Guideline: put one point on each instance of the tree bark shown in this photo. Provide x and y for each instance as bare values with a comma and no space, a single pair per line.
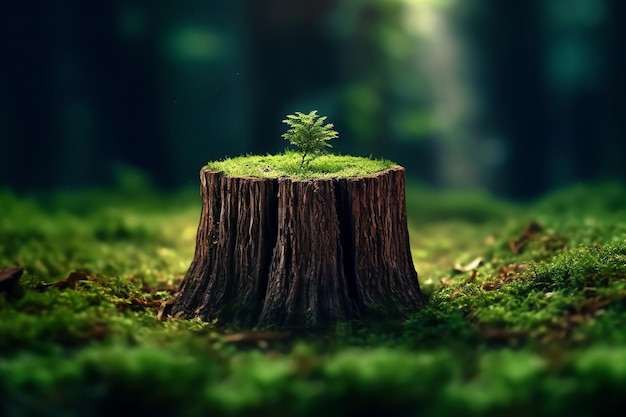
284,252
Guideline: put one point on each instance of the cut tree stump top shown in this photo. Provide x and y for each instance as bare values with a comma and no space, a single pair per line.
288,165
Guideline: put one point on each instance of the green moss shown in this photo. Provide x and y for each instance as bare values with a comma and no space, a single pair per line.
288,164
353,382
536,331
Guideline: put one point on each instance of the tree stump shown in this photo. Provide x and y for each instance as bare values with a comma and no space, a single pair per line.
299,253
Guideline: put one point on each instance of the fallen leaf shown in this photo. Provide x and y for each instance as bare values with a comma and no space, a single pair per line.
9,276
8,281
70,282
548,241
531,230
506,274
470,266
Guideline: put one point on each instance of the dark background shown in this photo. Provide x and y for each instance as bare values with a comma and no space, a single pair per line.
516,97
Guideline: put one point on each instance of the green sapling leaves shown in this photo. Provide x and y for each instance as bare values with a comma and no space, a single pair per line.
309,133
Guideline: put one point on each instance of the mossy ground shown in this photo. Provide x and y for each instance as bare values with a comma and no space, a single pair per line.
536,330
288,164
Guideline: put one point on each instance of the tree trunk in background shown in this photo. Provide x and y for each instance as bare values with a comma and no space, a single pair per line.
512,39
283,252
616,85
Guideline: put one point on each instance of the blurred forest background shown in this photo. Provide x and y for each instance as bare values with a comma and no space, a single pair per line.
514,97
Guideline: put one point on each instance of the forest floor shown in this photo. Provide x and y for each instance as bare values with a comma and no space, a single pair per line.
525,317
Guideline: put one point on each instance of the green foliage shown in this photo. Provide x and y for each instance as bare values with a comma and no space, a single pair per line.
309,133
